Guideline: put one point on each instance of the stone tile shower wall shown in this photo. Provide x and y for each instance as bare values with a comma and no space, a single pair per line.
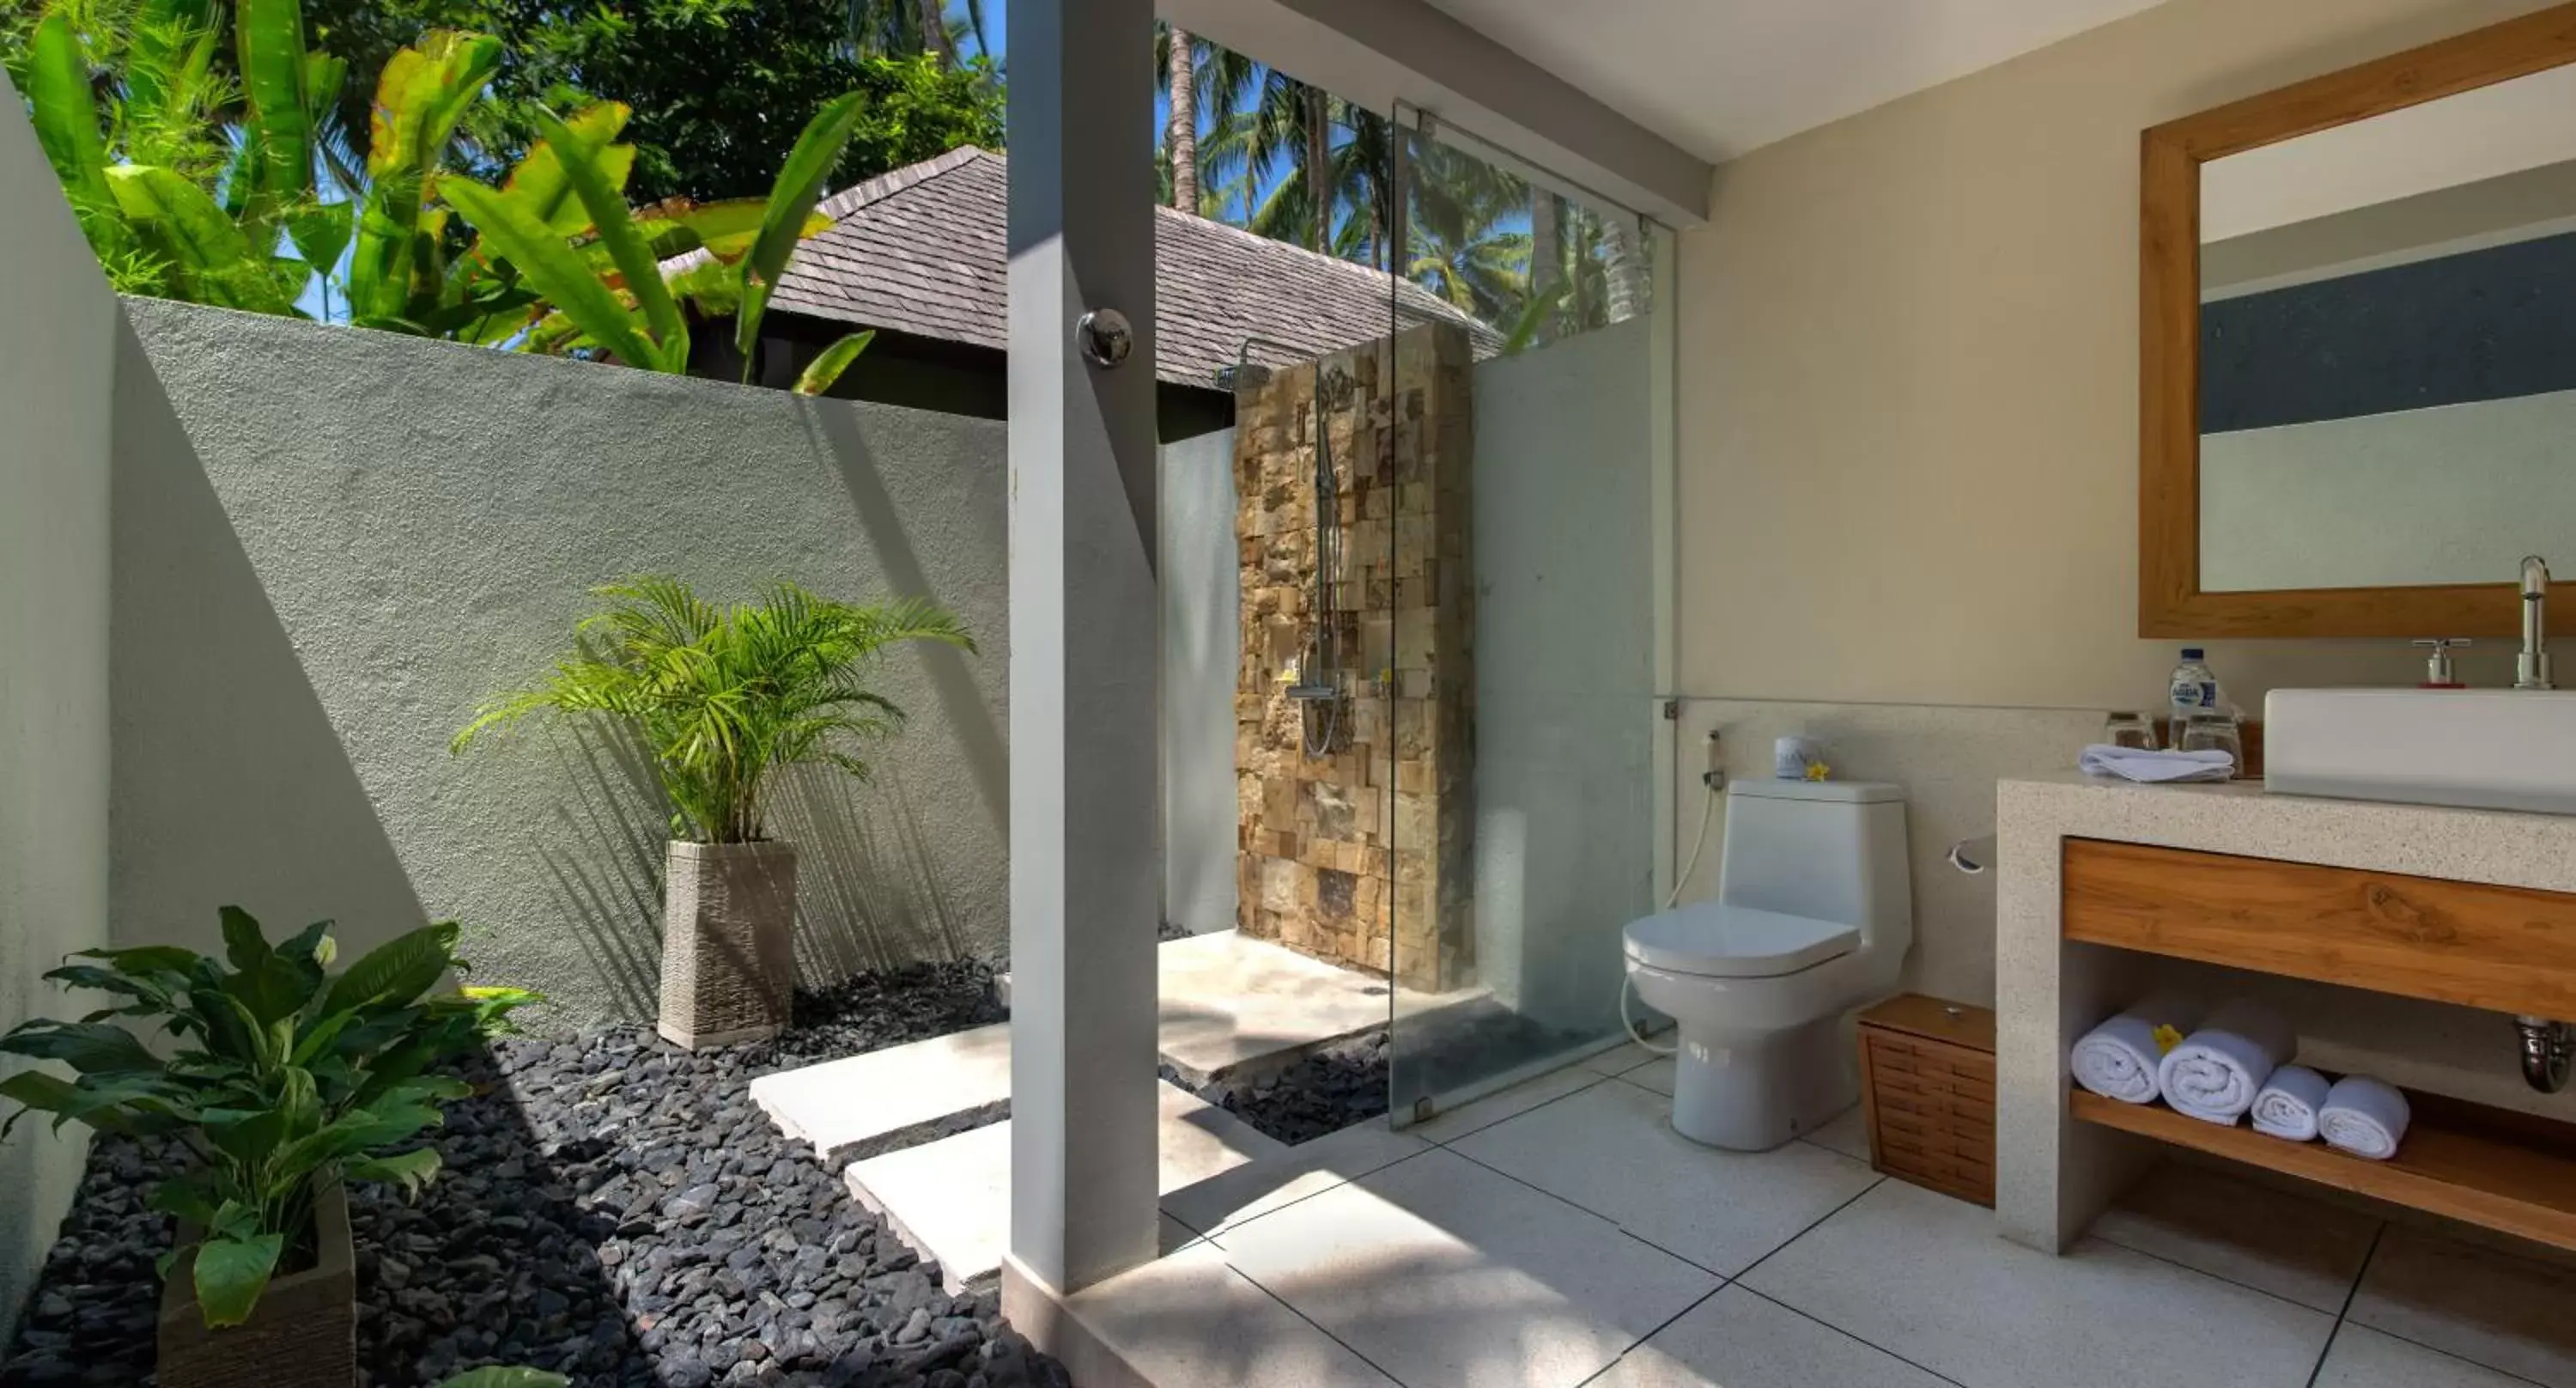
1362,855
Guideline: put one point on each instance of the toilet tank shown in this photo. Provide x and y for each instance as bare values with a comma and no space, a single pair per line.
1826,850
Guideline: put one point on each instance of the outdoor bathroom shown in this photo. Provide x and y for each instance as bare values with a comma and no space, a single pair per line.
1244,692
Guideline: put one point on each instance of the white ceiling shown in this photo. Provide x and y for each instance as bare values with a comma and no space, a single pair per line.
1720,77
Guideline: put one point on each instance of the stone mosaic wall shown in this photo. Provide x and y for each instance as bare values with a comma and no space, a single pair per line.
1361,854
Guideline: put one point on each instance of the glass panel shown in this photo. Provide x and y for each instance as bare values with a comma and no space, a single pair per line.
1520,577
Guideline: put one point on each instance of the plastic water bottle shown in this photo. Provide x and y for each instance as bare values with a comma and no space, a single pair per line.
2191,687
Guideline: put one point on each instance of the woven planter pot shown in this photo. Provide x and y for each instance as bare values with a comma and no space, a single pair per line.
728,958
303,1334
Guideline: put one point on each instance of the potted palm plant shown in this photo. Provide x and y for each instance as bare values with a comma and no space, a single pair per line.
724,699
283,1081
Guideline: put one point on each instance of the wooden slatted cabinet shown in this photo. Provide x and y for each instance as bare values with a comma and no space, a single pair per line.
1927,1072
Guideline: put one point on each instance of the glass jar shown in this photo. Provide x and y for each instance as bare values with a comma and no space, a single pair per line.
2214,730
2132,730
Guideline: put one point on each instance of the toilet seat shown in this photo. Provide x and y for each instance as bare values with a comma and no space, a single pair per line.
1711,940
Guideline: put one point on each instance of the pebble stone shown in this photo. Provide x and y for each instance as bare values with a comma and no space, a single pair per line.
613,1208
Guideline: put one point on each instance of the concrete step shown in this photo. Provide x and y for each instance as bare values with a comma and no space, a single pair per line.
950,1200
1227,1006
902,1096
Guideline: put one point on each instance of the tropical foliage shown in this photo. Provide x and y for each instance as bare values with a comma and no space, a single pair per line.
282,1077
557,261
724,698
1263,151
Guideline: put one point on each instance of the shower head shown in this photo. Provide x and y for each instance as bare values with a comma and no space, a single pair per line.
1242,376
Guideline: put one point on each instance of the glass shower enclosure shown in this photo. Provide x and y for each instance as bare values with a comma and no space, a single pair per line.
1513,604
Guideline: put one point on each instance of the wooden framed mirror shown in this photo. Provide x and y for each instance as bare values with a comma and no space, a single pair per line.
2358,347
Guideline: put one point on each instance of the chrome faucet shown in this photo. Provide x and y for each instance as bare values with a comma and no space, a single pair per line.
2531,671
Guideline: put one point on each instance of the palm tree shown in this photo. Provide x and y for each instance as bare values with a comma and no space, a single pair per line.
906,28
1181,132
1547,252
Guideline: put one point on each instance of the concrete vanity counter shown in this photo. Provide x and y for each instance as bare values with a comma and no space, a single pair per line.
2437,948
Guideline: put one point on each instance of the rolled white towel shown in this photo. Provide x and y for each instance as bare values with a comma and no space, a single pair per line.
2365,1117
2119,1059
2216,1072
2289,1102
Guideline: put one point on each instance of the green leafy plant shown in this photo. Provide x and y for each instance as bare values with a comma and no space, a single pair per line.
507,1378
183,180
724,697
281,1078
605,272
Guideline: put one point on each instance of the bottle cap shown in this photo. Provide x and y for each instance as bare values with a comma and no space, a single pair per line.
2193,653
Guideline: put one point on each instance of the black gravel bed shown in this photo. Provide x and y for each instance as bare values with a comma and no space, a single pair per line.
613,1208
1325,1091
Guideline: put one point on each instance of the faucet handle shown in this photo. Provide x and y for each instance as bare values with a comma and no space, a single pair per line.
2438,673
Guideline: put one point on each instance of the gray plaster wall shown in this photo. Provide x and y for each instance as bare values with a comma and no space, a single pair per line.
331,544
57,339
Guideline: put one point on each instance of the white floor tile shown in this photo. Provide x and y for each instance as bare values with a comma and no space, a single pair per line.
2305,1250
1309,1168
1926,1277
1620,1061
1656,1075
1444,1273
1190,1319
1494,1108
861,1105
2364,1358
1612,1150
950,1200
1738,1340
1847,1134
2508,1313
1198,1140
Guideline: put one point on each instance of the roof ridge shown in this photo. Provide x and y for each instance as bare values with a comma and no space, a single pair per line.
893,181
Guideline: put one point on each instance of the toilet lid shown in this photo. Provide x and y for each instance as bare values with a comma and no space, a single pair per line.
1719,941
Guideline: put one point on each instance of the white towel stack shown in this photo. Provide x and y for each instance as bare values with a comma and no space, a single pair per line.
2289,1103
2217,1071
2365,1117
2142,764
2119,1059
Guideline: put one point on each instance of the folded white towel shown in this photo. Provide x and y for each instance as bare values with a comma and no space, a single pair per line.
2118,1059
2140,764
2365,1117
2289,1103
2216,1072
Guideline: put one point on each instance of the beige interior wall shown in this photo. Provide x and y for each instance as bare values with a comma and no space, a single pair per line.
1908,434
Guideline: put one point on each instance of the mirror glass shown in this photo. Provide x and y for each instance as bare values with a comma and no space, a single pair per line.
2388,347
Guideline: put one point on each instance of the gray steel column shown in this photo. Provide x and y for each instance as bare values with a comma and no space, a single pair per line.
1086,845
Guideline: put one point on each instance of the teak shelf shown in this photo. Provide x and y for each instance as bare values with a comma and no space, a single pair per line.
2508,1171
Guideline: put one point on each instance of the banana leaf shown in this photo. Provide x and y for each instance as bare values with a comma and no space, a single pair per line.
321,231
791,201
538,181
268,38
550,265
579,159
821,373
208,254
423,93
66,119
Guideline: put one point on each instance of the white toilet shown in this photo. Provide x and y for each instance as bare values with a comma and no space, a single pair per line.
1814,913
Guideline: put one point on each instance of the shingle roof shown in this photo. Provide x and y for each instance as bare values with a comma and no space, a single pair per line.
921,250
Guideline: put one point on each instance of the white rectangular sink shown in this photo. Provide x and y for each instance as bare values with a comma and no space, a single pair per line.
2497,749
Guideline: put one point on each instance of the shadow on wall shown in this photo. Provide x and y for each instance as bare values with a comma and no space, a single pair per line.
988,758
607,857
869,885
228,784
